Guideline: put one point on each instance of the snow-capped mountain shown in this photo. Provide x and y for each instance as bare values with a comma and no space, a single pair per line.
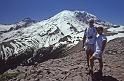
9,27
66,27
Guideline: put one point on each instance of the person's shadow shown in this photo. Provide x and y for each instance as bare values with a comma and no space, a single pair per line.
97,76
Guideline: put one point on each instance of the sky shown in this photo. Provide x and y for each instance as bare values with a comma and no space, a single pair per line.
12,11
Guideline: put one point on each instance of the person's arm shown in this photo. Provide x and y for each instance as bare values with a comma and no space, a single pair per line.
84,39
103,45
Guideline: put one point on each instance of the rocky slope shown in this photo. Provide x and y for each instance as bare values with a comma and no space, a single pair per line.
73,66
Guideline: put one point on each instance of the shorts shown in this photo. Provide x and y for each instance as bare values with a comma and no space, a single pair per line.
97,54
90,47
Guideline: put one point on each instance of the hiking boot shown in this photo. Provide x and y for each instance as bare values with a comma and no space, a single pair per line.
100,72
91,72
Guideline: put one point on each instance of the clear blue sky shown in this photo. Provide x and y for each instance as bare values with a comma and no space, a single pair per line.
13,10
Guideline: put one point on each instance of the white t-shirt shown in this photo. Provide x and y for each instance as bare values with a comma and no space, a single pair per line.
99,40
90,33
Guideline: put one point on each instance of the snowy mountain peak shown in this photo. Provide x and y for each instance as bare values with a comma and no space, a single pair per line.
28,20
20,24
76,13
81,16
67,27
63,14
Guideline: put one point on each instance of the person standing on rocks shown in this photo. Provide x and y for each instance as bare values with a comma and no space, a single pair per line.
89,39
100,46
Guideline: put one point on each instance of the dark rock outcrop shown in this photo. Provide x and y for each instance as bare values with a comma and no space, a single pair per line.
31,56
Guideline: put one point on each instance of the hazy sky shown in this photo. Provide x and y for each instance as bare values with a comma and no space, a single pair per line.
13,10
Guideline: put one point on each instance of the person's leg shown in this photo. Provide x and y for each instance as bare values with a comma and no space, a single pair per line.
91,57
100,64
91,62
87,53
